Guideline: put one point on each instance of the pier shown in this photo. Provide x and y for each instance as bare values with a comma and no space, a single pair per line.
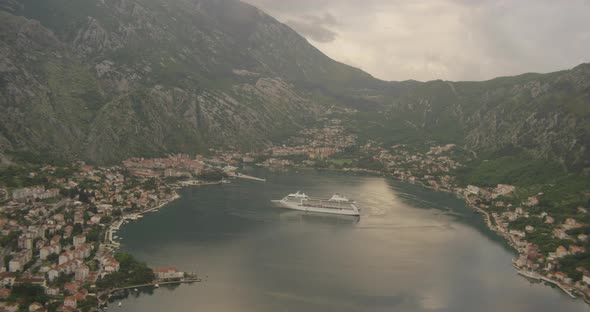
248,177
103,303
183,281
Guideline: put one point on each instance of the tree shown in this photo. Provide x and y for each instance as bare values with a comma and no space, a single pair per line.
131,272
52,257
106,220
150,184
28,293
10,240
93,235
78,229
89,303
213,175
7,259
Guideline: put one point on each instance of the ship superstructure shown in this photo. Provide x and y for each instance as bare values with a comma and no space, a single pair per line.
337,204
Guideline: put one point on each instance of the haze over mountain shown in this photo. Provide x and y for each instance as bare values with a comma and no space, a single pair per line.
442,39
105,80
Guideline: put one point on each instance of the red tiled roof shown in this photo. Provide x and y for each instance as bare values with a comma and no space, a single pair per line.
165,270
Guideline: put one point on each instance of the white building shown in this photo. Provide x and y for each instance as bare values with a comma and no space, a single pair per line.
82,272
168,273
15,265
473,189
52,274
79,240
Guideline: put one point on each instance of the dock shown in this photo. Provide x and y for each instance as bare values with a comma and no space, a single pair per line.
183,281
104,303
248,177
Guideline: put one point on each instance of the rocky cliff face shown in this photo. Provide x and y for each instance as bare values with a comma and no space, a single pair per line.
546,115
104,80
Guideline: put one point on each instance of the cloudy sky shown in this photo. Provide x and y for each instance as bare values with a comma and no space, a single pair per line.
443,39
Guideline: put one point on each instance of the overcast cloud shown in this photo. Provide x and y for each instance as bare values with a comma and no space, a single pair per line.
443,39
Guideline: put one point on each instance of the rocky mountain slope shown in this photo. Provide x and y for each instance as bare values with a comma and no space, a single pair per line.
102,80
544,115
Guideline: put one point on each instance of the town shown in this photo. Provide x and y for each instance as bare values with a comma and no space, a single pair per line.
551,248
57,236
58,223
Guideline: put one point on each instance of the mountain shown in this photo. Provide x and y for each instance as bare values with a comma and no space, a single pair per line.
102,80
105,80
546,116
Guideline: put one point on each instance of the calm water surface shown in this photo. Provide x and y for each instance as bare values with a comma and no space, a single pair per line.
411,250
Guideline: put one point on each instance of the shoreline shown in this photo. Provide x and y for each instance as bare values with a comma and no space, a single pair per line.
572,291
566,288
110,245
116,226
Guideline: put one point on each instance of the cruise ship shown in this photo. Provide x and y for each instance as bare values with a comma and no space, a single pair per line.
337,204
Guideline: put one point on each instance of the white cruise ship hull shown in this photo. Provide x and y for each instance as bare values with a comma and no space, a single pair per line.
300,207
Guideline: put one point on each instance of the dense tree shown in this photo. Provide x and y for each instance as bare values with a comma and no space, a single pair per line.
212,175
28,293
78,229
131,272
52,257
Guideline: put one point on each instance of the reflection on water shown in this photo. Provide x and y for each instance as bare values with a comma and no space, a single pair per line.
317,218
411,250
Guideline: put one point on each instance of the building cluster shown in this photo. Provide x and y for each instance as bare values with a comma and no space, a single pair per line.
59,235
57,238
312,144
433,168
518,220
180,165
510,217
35,192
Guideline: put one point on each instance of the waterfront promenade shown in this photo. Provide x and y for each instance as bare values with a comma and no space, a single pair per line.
538,277
157,284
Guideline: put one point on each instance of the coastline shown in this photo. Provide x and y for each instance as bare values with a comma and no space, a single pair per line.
111,245
568,289
115,226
